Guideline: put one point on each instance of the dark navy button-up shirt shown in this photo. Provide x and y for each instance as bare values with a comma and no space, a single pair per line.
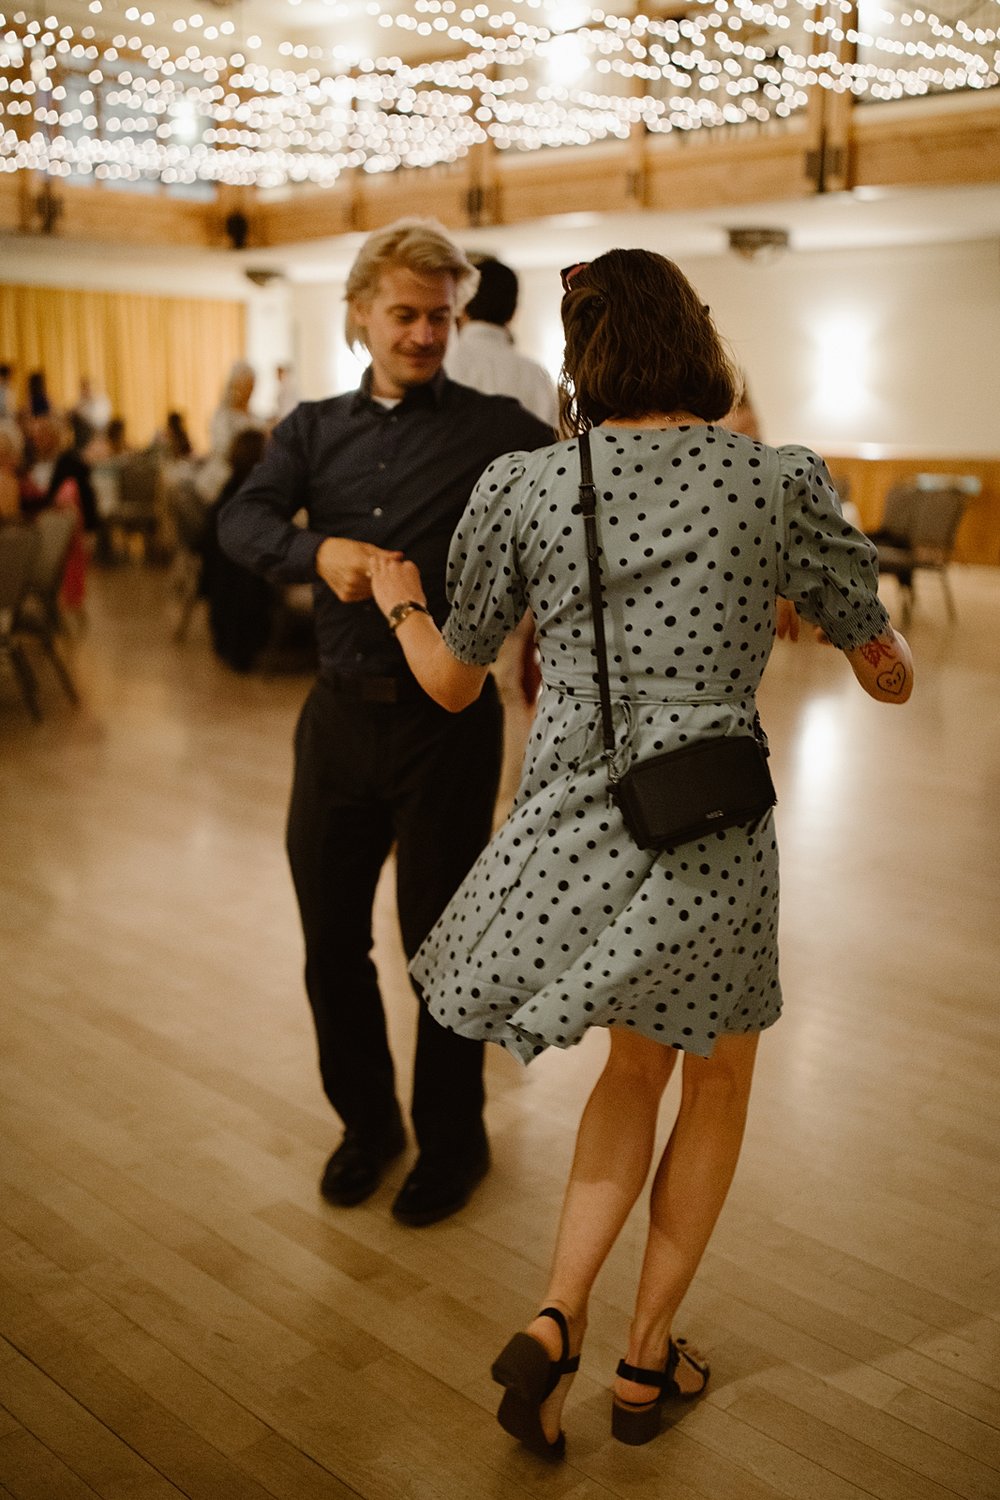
398,477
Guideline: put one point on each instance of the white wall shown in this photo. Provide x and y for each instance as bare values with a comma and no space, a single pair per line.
891,346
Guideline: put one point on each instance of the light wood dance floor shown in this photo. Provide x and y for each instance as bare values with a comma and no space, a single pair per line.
182,1315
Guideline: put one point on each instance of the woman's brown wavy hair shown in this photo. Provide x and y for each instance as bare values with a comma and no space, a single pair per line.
639,340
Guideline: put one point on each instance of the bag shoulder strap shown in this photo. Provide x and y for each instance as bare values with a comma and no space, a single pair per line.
588,509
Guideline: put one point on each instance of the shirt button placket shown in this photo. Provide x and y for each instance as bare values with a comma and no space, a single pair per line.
390,436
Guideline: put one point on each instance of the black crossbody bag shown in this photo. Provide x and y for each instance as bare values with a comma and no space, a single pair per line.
682,794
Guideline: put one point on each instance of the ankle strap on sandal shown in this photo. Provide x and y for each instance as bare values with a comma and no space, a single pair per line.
659,1378
566,1364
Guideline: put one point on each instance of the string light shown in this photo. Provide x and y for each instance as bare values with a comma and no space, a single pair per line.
548,75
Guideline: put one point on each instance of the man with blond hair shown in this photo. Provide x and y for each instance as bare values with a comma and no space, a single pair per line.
386,468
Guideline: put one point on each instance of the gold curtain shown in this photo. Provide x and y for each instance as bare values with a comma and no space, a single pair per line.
148,354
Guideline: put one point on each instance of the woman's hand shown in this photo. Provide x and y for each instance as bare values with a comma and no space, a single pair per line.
394,581
452,683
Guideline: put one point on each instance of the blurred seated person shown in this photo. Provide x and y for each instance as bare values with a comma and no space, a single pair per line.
52,459
118,444
178,468
92,412
39,404
175,451
11,455
8,397
58,477
232,417
240,604
172,440
109,450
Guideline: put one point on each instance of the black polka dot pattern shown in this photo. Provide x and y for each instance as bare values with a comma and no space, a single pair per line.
562,924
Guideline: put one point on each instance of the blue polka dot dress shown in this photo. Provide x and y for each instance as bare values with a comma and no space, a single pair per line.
563,924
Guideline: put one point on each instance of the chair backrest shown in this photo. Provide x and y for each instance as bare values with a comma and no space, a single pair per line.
842,484
937,523
902,503
55,528
138,482
18,545
969,484
190,516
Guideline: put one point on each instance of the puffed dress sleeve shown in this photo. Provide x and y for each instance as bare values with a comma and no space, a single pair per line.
485,588
829,569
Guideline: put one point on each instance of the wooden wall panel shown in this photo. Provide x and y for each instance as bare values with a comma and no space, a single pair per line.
700,174
937,143
536,184
941,148
306,216
871,478
433,193
130,218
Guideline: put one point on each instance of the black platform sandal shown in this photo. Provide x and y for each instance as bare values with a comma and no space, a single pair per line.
638,1422
529,1378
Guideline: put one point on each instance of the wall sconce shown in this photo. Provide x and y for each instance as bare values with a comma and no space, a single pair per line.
760,244
48,207
237,227
263,275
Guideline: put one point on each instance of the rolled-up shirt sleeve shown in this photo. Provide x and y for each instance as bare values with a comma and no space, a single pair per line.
256,528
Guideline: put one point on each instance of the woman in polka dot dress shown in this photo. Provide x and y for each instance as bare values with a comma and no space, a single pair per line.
563,924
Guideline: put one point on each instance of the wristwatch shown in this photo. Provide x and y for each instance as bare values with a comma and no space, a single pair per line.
399,612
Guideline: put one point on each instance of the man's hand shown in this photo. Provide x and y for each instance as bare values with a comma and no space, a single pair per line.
345,566
786,620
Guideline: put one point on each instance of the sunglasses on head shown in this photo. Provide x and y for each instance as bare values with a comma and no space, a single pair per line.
568,272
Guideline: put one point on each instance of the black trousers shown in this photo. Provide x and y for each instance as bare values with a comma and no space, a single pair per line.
367,775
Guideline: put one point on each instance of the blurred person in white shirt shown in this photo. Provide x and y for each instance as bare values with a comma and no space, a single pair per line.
482,353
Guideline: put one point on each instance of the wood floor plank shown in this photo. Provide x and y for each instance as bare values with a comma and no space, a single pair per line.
188,1316
767,1457
189,1430
842,1457
77,1339
71,1433
916,1452
31,1472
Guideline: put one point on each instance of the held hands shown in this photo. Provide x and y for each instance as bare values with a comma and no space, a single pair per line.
346,567
395,581
786,619
787,622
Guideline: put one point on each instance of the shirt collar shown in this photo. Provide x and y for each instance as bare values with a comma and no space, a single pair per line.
428,395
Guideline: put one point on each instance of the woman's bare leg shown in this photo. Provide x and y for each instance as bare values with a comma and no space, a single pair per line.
689,1189
614,1149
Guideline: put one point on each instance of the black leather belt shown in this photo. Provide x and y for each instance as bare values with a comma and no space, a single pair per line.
371,689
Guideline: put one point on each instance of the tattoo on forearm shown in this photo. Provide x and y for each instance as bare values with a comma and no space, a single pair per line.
877,651
894,681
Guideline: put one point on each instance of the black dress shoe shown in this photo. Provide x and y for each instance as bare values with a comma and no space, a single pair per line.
436,1189
355,1169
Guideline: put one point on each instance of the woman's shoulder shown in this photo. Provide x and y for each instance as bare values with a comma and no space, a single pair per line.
799,462
530,461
